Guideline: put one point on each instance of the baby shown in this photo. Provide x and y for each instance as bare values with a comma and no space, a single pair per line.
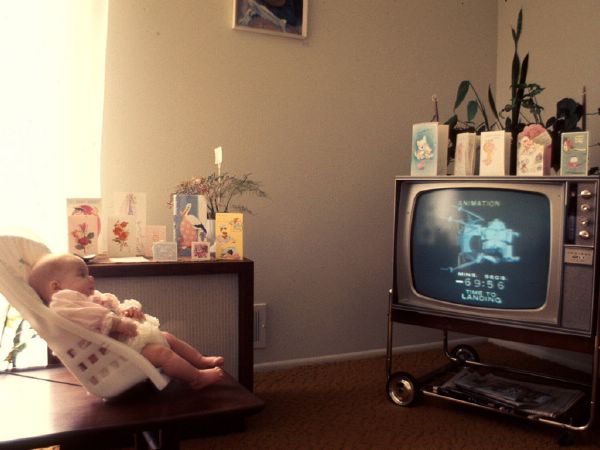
64,284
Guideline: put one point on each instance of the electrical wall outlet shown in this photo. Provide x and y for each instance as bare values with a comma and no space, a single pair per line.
260,325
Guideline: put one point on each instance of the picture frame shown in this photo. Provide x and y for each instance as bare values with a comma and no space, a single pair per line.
201,251
288,18
164,251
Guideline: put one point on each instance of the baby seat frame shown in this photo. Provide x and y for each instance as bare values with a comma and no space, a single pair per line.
104,366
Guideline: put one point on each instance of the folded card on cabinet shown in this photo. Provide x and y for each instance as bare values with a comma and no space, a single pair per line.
429,154
465,153
574,153
229,230
494,153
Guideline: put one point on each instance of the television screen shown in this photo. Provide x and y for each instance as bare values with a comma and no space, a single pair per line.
481,247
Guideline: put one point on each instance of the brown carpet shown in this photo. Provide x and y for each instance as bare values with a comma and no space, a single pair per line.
344,405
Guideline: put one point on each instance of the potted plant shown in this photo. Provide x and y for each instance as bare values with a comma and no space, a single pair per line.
511,117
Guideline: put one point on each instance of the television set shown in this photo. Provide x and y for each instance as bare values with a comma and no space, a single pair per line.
517,252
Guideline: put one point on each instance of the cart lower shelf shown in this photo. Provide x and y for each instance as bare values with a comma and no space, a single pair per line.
403,389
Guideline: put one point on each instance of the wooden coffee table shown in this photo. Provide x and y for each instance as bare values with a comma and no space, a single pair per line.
47,407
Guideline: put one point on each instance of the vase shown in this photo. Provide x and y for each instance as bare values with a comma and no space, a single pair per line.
210,231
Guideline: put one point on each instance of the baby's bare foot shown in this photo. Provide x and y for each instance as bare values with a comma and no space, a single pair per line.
206,362
207,377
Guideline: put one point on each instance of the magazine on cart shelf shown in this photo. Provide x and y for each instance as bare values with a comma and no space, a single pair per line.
494,390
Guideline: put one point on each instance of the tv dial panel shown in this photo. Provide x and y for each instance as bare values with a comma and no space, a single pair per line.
583,236
585,214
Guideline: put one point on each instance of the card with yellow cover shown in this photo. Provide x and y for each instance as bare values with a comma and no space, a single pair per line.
229,231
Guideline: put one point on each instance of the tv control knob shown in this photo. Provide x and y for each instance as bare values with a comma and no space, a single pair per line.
585,222
586,193
583,234
585,207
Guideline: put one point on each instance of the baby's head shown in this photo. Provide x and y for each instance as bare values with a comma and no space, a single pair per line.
54,272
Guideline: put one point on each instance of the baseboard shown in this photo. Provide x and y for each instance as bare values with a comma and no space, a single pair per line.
577,361
263,367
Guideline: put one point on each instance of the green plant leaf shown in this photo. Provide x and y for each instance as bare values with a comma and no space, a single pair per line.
472,109
492,103
527,103
519,24
452,121
516,67
534,89
461,93
524,69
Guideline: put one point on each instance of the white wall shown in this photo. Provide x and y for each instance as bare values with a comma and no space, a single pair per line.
324,123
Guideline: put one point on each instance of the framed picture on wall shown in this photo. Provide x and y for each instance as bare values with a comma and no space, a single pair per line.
279,17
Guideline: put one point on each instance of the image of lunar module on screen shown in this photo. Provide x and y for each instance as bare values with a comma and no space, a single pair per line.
480,242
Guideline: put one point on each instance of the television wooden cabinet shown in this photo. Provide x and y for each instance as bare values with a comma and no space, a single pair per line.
206,303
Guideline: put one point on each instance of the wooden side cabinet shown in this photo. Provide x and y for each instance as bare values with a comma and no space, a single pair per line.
209,304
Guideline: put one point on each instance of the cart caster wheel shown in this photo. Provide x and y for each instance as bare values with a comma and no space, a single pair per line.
465,353
402,388
566,439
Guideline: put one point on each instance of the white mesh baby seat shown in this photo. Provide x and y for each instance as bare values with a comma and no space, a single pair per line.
104,366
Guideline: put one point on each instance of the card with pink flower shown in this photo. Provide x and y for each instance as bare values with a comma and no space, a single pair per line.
89,207
83,235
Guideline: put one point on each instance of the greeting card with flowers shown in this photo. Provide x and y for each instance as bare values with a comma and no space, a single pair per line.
534,151
83,235
122,236
91,207
133,204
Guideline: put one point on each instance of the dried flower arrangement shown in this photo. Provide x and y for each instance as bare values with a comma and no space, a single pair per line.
220,191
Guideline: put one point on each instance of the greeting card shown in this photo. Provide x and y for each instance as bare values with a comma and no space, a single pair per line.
200,251
88,207
534,151
494,153
429,155
152,234
133,204
164,251
122,236
83,235
574,153
189,219
465,153
229,229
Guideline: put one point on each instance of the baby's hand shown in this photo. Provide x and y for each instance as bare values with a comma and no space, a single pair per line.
126,327
133,313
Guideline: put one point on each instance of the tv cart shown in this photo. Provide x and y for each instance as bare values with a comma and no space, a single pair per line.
403,388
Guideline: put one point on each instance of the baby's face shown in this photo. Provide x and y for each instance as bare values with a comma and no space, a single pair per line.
77,277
